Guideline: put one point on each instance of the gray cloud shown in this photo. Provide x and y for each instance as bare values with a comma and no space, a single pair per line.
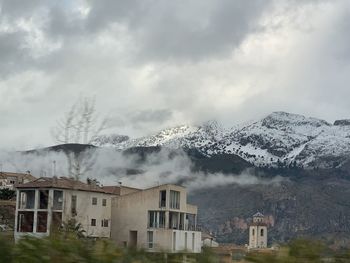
110,167
154,64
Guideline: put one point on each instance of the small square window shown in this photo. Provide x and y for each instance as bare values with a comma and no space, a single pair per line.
93,222
94,201
104,202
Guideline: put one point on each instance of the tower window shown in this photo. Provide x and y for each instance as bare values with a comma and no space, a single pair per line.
262,232
253,231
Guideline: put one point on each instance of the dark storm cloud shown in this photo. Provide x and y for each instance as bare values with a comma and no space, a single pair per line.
182,29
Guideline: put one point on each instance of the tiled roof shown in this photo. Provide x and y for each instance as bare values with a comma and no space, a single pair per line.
20,176
62,183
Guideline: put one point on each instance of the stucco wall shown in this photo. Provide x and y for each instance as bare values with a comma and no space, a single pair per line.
130,213
86,211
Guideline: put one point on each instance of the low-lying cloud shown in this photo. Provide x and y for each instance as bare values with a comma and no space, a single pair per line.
110,167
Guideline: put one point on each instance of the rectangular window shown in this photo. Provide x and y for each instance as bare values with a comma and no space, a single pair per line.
93,222
74,205
156,219
104,202
190,222
150,239
174,199
57,200
104,223
25,221
173,220
161,219
43,199
26,199
162,199
94,201
41,222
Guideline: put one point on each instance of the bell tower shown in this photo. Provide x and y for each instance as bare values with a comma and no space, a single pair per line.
258,232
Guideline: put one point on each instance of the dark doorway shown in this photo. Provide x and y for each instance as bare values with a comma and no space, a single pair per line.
133,239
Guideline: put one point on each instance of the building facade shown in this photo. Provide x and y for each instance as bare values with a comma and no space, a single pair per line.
156,219
258,232
43,204
8,180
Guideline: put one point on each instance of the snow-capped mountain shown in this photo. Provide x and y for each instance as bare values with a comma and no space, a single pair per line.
278,139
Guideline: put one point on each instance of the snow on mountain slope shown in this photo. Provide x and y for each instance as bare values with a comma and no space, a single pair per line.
279,139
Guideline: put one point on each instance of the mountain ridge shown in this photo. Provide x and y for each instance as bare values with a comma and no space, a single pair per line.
279,139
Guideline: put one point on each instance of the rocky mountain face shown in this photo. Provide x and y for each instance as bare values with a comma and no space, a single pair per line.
280,139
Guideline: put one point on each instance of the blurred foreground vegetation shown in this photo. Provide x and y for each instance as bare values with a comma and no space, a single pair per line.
64,248
301,251
69,245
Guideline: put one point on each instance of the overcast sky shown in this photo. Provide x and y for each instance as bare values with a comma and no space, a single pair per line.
153,63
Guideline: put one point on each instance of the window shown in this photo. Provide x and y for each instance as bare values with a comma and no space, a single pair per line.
94,201
41,222
190,222
104,202
27,199
162,199
174,199
25,221
43,199
150,239
57,200
104,223
253,231
262,232
174,220
93,222
74,205
156,219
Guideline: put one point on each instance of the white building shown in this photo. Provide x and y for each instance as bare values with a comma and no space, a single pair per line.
8,180
43,204
155,219
258,232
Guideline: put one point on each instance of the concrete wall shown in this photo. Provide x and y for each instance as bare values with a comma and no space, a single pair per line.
130,213
86,211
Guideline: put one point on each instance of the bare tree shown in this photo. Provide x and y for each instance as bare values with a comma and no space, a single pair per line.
80,125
